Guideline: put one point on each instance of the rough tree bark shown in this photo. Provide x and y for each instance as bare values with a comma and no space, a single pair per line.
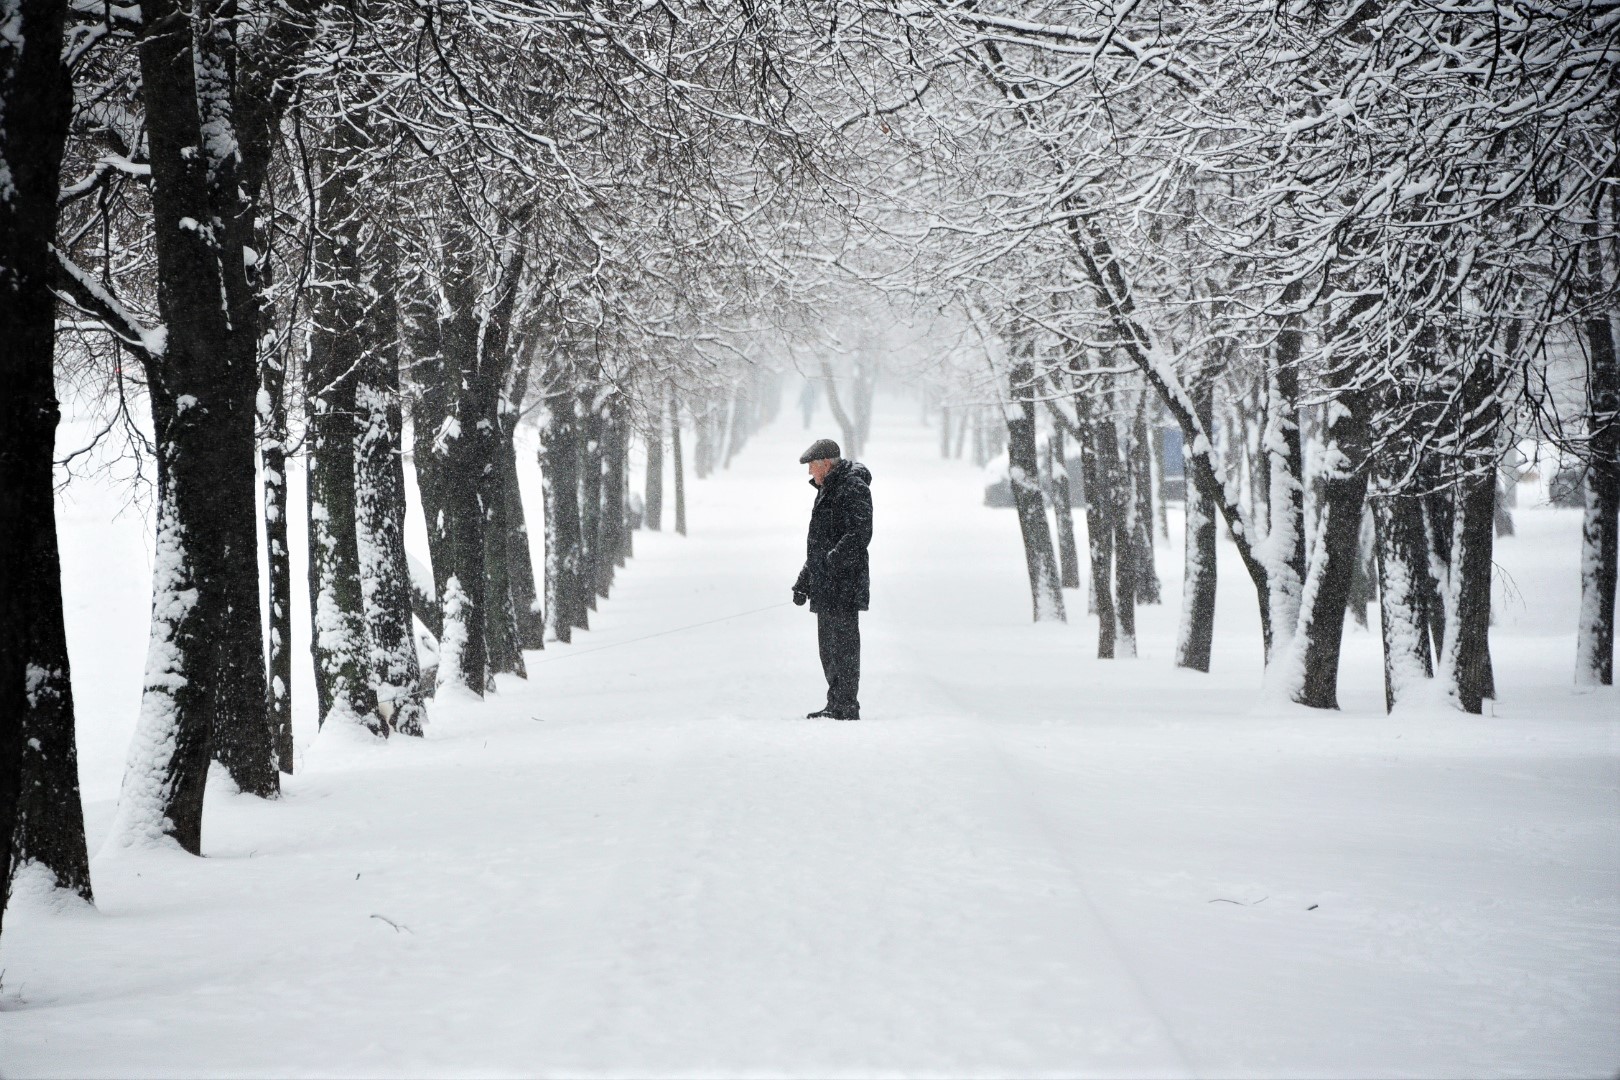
675,456
527,610
1342,487
559,471
1098,457
614,527
593,435
41,816
1057,465
1023,470
278,566
1283,549
339,342
385,574
1465,663
1600,525
1402,596
205,687
1195,637
1139,459
653,506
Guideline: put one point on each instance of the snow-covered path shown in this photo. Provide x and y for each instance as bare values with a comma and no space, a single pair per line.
1024,861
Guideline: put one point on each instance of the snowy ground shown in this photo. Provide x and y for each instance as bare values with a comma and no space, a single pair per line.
1024,861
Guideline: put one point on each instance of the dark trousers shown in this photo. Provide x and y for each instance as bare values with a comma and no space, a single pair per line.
838,632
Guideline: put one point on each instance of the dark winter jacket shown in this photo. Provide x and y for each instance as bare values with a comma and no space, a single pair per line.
836,575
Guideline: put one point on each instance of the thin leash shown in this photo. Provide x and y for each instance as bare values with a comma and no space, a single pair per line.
662,633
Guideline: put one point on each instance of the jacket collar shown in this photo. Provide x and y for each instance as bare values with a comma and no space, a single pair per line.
837,472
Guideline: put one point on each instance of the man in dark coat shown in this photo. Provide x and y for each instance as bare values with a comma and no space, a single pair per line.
836,579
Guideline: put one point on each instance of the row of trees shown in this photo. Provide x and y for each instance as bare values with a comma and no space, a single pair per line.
374,240
381,235
1397,217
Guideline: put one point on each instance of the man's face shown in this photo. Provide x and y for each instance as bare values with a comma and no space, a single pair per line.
820,469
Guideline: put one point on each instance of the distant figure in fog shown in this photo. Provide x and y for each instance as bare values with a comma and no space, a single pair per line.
836,579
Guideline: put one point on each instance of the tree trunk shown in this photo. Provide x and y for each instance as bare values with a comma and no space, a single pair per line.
1023,470
1600,526
615,527
1327,589
500,603
41,816
1362,583
680,472
653,508
1466,662
430,412
1140,470
590,502
1402,596
339,643
467,448
502,607
1283,550
338,345
273,462
385,573
205,687
1195,636
520,556
848,427
1058,466
1342,492
1123,514
1098,455
559,474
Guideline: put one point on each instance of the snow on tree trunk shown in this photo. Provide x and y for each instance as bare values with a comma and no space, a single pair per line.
385,572
41,818
590,501
1310,672
339,643
341,341
1097,456
1600,530
167,767
1600,526
652,514
676,464
50,815
531,616
1363,590
1057,465
614,528
205,685
1283,550
273,467
559,468
500,606
1023,470
1402,596
1195,635
453,643
1127,562
1140,456
1465,665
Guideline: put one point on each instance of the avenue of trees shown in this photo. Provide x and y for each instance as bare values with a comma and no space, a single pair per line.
1355,251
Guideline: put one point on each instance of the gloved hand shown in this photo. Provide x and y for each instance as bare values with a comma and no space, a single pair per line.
799,598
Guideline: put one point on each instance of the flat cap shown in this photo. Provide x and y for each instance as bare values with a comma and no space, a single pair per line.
820,450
